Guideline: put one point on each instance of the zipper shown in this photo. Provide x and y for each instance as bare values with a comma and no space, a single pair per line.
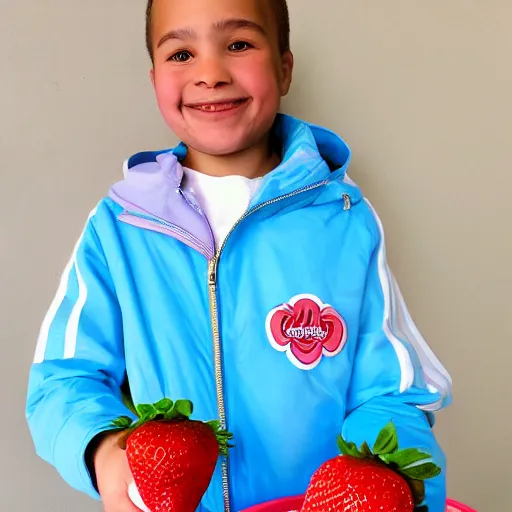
217,363
160,222
217,345
182,233
347,202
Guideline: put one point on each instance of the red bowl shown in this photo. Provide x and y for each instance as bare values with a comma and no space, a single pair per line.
455,506
294,504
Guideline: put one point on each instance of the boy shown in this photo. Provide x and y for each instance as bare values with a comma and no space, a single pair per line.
249,236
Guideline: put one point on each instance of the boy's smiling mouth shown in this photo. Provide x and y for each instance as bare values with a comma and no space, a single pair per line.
217,106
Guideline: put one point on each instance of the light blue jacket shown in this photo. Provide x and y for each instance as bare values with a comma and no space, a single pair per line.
293,332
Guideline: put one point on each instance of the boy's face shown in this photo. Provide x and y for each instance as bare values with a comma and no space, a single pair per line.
218,73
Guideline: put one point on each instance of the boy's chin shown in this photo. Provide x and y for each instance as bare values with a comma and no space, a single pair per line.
218,147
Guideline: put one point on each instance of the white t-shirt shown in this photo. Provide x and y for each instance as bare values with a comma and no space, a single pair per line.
222,199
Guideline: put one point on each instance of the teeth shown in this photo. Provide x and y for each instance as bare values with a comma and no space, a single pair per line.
218,106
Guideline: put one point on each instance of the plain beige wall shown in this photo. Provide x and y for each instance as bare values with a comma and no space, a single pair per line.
422,93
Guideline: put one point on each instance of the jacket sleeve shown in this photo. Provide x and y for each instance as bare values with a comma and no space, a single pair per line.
74,389
396,376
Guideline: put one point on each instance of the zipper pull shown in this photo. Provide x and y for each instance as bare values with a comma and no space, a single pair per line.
347,202
212,271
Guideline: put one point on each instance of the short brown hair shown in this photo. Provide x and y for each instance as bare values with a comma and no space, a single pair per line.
281,13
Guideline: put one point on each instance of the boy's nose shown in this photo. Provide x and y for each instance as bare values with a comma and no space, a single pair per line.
212,73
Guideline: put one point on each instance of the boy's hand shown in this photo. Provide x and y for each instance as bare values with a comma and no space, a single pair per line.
113,475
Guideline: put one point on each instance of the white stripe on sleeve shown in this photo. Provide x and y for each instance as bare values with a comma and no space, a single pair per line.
44,332
399,324
74,317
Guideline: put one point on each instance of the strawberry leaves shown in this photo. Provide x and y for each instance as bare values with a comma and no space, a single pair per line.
163,405
405,457
122,422
422,471
167,410
146,411
223,437
387,440
408,461
164,409
366,451
412,464
182,408
349,449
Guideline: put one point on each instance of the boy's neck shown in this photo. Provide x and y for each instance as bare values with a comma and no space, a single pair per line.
253,162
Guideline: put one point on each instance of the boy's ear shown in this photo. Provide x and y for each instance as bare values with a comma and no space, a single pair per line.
152,76
286,72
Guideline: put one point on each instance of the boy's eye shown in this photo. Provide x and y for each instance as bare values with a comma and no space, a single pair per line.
239,46
182,56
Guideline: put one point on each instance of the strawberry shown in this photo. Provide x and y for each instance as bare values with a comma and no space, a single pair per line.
361,480
172,458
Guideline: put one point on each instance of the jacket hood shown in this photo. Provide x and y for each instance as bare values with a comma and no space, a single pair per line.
311,156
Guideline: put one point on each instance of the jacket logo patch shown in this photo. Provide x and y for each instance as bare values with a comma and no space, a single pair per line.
306,329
